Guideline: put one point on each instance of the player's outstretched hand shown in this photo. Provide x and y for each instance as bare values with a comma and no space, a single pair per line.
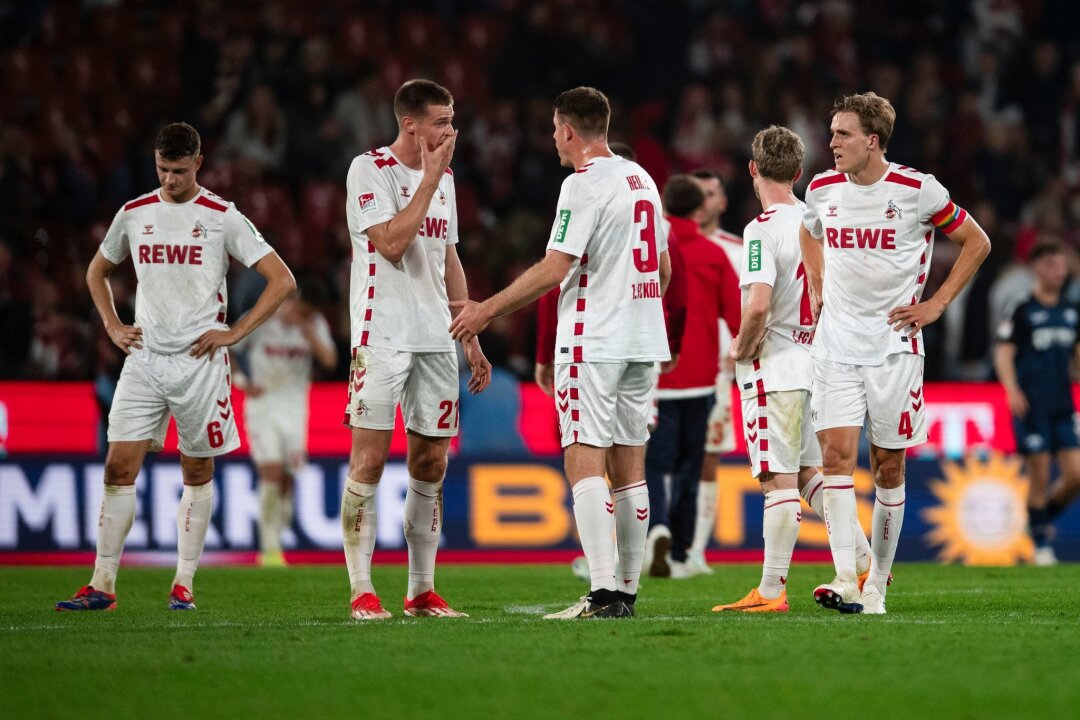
211,340
545,378
470,322
913,318
126,337
434,163
478,363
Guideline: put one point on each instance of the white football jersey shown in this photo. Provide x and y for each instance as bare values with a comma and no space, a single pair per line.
402,305
280,357
878,240
610,307
773,257
732,245
181,255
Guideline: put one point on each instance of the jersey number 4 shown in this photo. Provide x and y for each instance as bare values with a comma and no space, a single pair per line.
905,428
646,259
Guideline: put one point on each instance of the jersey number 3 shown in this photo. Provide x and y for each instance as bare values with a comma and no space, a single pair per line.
646,259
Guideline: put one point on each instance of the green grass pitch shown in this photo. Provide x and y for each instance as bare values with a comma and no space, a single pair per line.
957,643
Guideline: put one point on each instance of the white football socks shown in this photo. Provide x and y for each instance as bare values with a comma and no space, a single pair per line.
594,512
885,533
706,517
114,523
423,526
192,522
839,511
270,517
781,530
631,527
811,493
359,523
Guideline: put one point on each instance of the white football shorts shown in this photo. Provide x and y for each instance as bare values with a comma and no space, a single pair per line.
277,425
779,435
601,404
195,391
889,396
425,385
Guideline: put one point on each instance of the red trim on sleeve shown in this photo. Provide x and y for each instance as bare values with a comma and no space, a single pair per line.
207,202
903,180
828,180
148,200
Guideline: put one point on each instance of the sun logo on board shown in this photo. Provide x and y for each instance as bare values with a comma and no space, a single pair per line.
982,519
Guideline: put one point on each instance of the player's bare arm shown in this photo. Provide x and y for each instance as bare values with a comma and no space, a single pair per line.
457,290
747,344
531,284
123,336
392,238
975,246
279,283
1005,365
813,259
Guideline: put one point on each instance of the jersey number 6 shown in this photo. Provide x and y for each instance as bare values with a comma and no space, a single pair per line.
646,261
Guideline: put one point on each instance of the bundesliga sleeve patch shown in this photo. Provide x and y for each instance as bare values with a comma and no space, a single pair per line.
753,256
368,203
564,220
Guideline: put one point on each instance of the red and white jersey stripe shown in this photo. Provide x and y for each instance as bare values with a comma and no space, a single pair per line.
610,308
402,305
774,258
878,241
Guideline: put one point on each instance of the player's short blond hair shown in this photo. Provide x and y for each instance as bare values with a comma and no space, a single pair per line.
876,114
778,153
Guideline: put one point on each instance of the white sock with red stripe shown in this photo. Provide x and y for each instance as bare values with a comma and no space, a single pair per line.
781,530
631,527
359,521
885,533
114,524
706,517
423,526
811,493
595,515
838,509
192,522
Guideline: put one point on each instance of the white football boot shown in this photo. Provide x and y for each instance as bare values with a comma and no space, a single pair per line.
840,595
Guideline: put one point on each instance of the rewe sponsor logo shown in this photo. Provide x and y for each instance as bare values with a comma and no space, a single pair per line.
861,238
434,228
170,254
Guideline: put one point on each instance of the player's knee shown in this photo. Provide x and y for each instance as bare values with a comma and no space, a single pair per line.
428,468
890,471
836,460
197,471
120,471
365,469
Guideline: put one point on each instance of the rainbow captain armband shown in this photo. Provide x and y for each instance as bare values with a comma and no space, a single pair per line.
949,217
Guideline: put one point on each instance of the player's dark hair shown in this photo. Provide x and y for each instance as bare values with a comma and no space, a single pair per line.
778,154
622,150
682,196
412,98
585,109
876,115
1046,248
707,174
178,140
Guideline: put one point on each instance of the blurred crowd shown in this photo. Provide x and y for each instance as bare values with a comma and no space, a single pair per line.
286,93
